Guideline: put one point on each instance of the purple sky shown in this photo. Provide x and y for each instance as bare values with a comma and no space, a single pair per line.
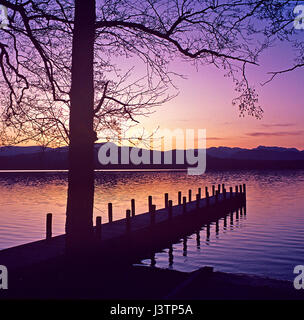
205,102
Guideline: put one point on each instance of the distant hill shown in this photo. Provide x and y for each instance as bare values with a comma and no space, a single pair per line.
259,153
15,150
220,158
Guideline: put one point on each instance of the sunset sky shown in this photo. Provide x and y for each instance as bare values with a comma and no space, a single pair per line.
205,102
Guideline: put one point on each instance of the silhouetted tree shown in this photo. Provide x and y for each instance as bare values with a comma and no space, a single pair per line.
62,83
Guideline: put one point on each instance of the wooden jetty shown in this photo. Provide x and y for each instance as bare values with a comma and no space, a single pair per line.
138,236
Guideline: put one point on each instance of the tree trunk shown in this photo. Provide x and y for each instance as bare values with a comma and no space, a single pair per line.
79,220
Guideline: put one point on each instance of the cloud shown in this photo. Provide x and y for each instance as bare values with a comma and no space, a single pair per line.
275,133
216,138
276,125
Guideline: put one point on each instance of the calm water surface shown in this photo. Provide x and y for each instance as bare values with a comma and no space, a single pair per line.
267,241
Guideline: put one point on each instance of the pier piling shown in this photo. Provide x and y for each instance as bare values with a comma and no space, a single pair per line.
110,212
149,203
197,201
166,200
152,214
170,210
133,207
128,220
49,226
98,227
179,197
184,204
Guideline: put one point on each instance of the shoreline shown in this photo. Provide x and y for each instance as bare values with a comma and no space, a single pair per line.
54,280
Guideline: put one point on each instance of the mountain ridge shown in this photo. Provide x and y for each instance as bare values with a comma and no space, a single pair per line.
218,158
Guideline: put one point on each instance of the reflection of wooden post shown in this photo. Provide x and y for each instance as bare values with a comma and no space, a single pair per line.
197,201
190,195
207,199
152,214
231,192
213,190
184,204
149,203
166,200
170,210
133,207
98,227
48,226
200,192
179,197
110,212
216,196
224,193
128,220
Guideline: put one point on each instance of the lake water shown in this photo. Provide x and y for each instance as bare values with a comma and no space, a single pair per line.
268,241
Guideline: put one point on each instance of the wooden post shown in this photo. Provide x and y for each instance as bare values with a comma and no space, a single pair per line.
128,220
170,210
213,190
152,214
133,207
98,228
216,196
207,199
166,200
49,226
223,187
241,191
197,201
190,195
184,204
149,203
244,188
217,227
110,212
200,192
236,190
224,193
206,191
231,192
208,230
219,188
179,197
